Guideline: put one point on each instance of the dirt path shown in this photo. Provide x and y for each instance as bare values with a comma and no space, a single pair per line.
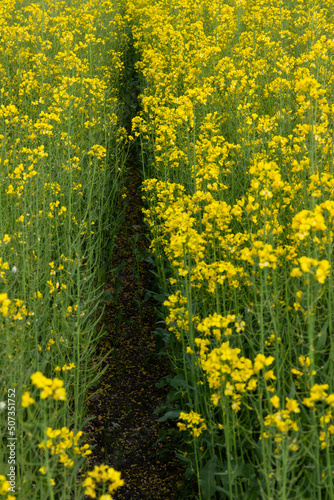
125,430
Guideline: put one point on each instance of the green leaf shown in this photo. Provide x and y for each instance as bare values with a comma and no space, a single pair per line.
178,381
253,493
173,414
182,457
164,381
207,478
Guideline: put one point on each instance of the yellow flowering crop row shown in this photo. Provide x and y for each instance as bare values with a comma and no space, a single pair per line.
62,156
237,122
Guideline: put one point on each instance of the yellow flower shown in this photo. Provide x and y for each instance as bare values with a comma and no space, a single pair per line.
318,392
296,372
322,271
27,400
330,400
4,485
261,361
181,426
304,361
292,405
275,401
296,273
52,433
252,384
50,387
269,375
46,392
59,394
40,381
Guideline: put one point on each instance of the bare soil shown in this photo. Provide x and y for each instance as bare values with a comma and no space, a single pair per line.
125,429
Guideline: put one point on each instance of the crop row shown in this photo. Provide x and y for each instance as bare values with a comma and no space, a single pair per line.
62,156
236,129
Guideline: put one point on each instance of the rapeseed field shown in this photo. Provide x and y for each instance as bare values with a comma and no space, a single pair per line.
62,154
237,142
236,134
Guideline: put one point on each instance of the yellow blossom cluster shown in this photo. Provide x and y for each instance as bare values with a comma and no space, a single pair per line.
194,423
229,374
65,367
102,474
50,387
65,440
320,270
4,486
13,309
282,422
